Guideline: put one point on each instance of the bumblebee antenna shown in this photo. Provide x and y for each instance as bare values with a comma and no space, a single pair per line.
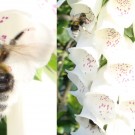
13,41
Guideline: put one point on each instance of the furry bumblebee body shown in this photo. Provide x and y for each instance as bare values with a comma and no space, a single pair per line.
17,65
78,22
6,77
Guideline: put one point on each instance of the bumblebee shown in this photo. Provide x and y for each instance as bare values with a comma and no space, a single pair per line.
79,22
6,78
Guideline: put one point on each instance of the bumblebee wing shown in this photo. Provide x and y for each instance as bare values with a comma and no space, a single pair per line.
38,54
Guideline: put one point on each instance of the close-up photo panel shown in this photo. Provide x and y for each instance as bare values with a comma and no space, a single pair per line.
28,67
67,67
96,67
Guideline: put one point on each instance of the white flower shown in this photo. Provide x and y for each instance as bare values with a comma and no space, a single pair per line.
108,36
115,79
105,20
86,59
119,126
83,85
90,21
127,107
122,11
117,115
99,106
108,39
121,74
95,5
87,127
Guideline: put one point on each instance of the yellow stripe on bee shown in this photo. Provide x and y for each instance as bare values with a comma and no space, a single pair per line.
4,68
75,23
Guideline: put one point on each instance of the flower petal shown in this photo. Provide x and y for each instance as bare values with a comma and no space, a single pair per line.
119,127
120,74
87,127
85,39
71,2
95,5
108,39
86,59
81,83
127,107
101,85
122,11
88,23
8,19
123,55
106,21
100,106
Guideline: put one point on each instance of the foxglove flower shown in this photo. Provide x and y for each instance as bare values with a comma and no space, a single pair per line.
108,35
87,21
83,85
87,127
86,59
115,113
122,11
95,6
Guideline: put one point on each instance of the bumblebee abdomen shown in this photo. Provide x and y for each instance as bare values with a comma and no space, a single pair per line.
75,25
6,82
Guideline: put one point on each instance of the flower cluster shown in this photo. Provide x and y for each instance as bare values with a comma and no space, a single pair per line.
107,92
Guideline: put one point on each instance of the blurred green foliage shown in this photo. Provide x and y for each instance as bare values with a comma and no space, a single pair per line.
67,104
3,127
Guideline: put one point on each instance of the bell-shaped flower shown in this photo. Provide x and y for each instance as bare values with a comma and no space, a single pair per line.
106,107
117,77
106,21
124,46
83,85
86,59
87,127
108,39
127,107
122,74
100,106
124,123
101,85
108,35
122,11
117,115
95,5
84,16
120,69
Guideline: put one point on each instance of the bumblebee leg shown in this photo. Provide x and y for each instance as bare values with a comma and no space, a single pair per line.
84,29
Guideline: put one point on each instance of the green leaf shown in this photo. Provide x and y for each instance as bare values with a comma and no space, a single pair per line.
3,127
53,62
64,37
38,74
129,33
102,61
104,2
